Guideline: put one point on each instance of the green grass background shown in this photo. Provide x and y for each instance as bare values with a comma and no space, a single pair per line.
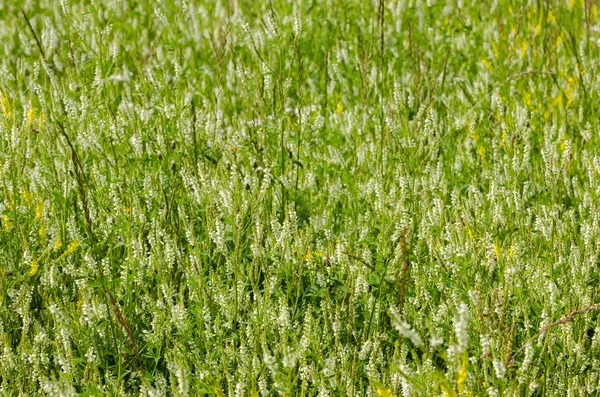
332,198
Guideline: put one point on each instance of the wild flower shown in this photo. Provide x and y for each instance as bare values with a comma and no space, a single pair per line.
404,329
264,203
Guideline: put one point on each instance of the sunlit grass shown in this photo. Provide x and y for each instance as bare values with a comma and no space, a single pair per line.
329,198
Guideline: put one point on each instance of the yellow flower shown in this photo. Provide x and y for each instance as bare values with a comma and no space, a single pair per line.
488,65
448,392
481,152
383,391
310,255
34,266
570,91
559,41
527,98
470,232
557,103
57,244
6,106
7,223
495,49
30,115
462,374
39,210
72,247
537,30
523,49
498,251
26,195
340,108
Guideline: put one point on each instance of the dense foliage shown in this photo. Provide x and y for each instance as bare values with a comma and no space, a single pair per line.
332,198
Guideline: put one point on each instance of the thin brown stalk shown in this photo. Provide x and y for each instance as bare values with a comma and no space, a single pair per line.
568,319
35,36
443,75
80,176
125,324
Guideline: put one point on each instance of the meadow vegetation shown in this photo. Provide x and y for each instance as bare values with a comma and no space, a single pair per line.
299,198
